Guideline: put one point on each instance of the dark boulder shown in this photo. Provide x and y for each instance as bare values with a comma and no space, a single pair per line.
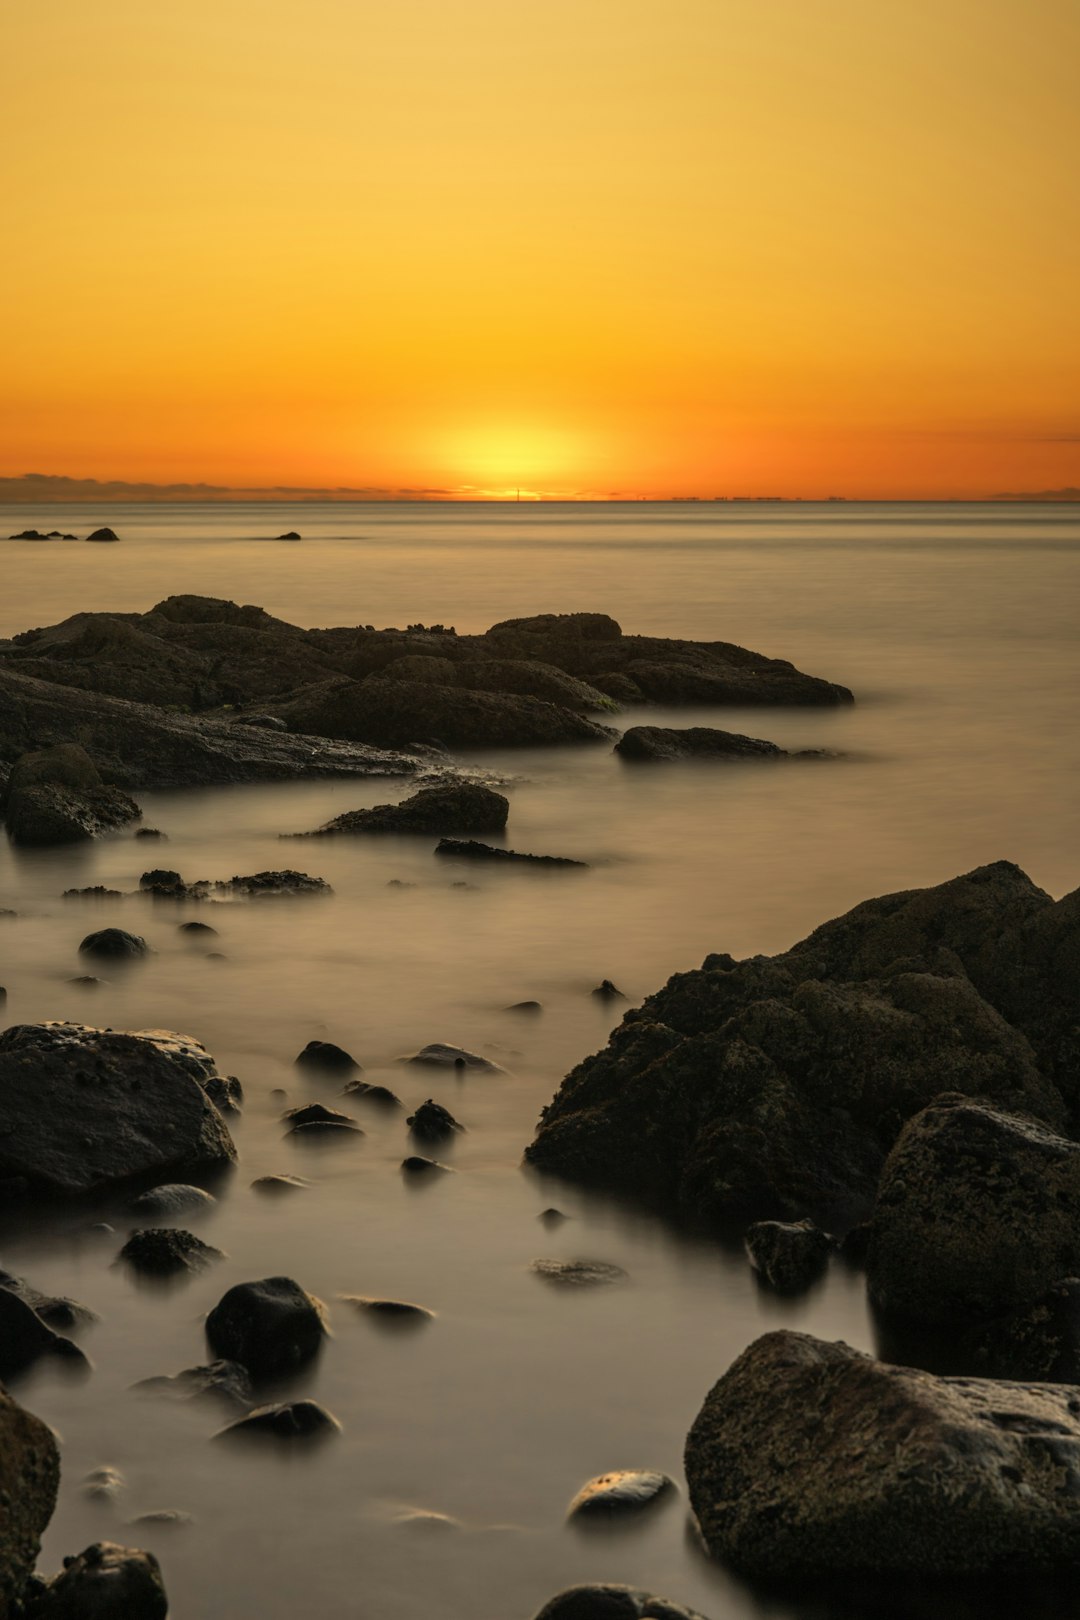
172,1198
398,1311
789,1255
811,1459
83,1110
29,1479
652,743
469,849
432,1122
166,1251
326,1058
417,1166
103,534
25,1338
56,796
56,1310
289,1420
271,1327
456,807
312,1116
606,991
114,944
440,1056
977,1214
609,1602
775,1087
161,877
105,1582
274,1186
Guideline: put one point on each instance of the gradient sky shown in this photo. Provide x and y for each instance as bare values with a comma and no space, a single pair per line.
582,246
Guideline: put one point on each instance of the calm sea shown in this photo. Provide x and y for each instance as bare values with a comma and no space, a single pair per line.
956,628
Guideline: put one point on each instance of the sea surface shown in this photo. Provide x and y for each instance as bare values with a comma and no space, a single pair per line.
956,628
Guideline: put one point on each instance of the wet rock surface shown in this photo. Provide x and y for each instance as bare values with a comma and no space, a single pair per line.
774,1087
977,1214
789,1255
172,1198
167,1251
454,807
271,1327
623,1492
29,1480
811,1459
83,1110
105,1582
469,849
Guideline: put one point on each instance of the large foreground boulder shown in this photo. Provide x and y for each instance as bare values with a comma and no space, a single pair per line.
56,796
451,807
775,1086
83,1110
105,1582
29,1480
977,1214
811,1459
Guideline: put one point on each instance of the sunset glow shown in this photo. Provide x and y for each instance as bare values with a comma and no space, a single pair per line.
713,247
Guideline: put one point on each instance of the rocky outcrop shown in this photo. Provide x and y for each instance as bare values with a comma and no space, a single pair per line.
452,807
399,714
649,744
775,1087
83,1110
56,796
137,746
811,1459
977,1214
29,1480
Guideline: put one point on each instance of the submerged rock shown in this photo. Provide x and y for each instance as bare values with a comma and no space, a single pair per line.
652,743
578,1273
105,1582
775,1087
389,1310
325,1056
453,807
811,1459
25,1337
54,1309
224,1380
83,1110
289,1420
432,1122
440,1056
612,1603
627,1490
606,991
789,1255
114,944
271,1327
274,1185
29,1480
381,1096
103,535
977,1214
417,1165
315,1116
171,1199
164,1251
469,849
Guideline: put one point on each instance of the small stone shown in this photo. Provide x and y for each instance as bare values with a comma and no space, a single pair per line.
316,1114
114,944
195,928
290,1420
525,1007
789,1255
164,1251
606,991
627,1490
325,1056
578,1273
389,1310
170,1199
274,1185
432,1122
440,1056
382,1096
417,1165
103,1484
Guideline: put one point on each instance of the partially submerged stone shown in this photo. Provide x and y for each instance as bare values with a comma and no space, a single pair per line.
624,1491
106,1582
288,1420
83,1110
326,1058
440,1056
56,796
167,1251
433,1123
451,807
811,1459
172,1198
221,1380
271,1327
578,1273
25,1337
389,1310
788,1255
654,743
610,1602
471,850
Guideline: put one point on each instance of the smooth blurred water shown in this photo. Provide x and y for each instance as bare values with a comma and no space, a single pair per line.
955,626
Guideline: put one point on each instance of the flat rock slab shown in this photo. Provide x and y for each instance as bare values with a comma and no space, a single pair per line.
83,1110
578,1273
471,850
812,1459
625,1491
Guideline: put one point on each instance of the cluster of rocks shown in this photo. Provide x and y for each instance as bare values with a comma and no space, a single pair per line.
99,535
199,690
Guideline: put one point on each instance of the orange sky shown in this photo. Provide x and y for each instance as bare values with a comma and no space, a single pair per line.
584,246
